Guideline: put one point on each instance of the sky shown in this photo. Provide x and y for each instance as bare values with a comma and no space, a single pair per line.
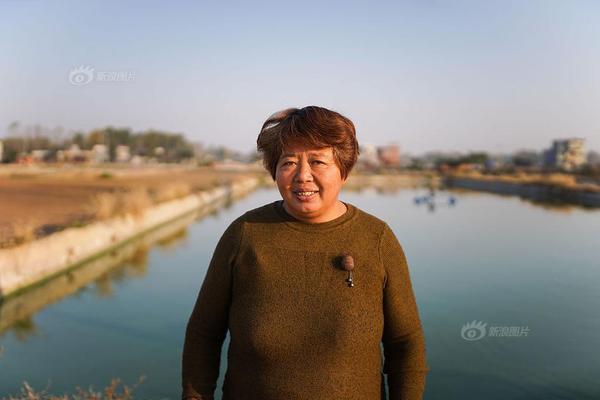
428,75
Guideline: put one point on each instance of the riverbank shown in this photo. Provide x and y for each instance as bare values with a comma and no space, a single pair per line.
392,182
553,189
32,263
129,260
39,201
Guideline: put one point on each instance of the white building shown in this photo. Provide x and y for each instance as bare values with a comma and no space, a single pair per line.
39,155
100,153
368,156
565,154
122,153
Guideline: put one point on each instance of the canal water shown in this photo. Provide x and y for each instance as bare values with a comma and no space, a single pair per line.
508,293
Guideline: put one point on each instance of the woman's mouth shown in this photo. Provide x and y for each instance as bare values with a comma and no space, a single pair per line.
305,195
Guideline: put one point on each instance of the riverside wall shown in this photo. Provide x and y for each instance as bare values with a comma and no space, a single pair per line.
534,192
32,263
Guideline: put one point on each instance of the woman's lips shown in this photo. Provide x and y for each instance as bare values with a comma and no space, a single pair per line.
305,195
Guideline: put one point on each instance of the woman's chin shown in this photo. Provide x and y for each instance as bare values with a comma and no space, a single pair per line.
303,208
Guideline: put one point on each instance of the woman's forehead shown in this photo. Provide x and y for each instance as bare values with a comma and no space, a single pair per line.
293,151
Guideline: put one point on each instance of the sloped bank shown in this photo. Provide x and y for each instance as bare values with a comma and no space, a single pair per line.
529,191
33,263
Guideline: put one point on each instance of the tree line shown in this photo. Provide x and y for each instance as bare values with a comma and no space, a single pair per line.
165,146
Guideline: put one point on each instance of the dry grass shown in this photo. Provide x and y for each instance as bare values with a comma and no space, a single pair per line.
134,202
66,197
171,191
103,205
18,232
564,181
110,392
24,230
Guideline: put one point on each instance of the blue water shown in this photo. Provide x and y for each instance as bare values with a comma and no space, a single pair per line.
497,260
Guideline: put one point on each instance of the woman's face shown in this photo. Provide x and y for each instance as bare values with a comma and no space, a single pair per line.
310,181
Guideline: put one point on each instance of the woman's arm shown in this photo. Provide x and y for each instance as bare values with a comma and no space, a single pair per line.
403,339
207,325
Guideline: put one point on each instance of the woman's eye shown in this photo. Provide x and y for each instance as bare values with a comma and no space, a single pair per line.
318,162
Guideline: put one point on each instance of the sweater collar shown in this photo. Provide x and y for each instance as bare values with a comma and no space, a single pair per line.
313,227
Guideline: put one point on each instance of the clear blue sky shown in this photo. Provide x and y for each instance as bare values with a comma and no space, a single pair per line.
429,75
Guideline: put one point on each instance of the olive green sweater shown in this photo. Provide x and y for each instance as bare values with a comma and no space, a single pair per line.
298,331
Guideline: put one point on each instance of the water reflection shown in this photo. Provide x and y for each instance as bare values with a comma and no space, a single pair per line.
172,242
433,200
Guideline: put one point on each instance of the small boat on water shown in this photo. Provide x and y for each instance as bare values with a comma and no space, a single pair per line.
433,199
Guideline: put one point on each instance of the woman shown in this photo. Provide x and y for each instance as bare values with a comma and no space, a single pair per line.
308,286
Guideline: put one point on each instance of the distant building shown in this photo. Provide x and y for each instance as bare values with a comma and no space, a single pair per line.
1,150
99,153
138,160
496,162
39,155
122,154
72,154
527,159
389,155
565,154
368,156
159,151
593,158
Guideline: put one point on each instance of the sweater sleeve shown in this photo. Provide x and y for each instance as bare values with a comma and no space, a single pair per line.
403,339
207,326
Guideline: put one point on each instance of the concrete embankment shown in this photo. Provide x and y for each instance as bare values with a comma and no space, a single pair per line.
35,262
529,191
391,182
128,260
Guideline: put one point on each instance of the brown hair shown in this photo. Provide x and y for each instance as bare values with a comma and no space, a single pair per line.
310,126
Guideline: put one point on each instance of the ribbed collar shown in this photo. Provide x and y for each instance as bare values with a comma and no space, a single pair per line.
295,223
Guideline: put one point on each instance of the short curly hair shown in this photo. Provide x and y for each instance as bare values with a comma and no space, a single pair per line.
311,126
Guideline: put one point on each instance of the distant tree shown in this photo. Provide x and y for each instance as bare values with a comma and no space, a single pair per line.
475,158
165,146
80,140
526,158
13,146
416,164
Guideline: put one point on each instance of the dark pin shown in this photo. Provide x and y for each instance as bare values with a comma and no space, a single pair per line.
348,265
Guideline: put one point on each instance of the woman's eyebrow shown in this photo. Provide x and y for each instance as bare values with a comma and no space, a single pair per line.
318,154
313,154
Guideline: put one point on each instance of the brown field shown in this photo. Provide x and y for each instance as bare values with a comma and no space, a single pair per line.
37,202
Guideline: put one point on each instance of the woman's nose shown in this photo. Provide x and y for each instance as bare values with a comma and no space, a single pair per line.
303,172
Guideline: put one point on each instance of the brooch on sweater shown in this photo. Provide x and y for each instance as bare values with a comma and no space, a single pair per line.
347,262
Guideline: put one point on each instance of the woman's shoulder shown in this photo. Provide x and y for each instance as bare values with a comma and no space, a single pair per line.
365,218
264,213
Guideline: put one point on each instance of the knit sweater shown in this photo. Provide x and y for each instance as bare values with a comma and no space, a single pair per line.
297,329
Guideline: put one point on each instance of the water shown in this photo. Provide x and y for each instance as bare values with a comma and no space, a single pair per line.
498,260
